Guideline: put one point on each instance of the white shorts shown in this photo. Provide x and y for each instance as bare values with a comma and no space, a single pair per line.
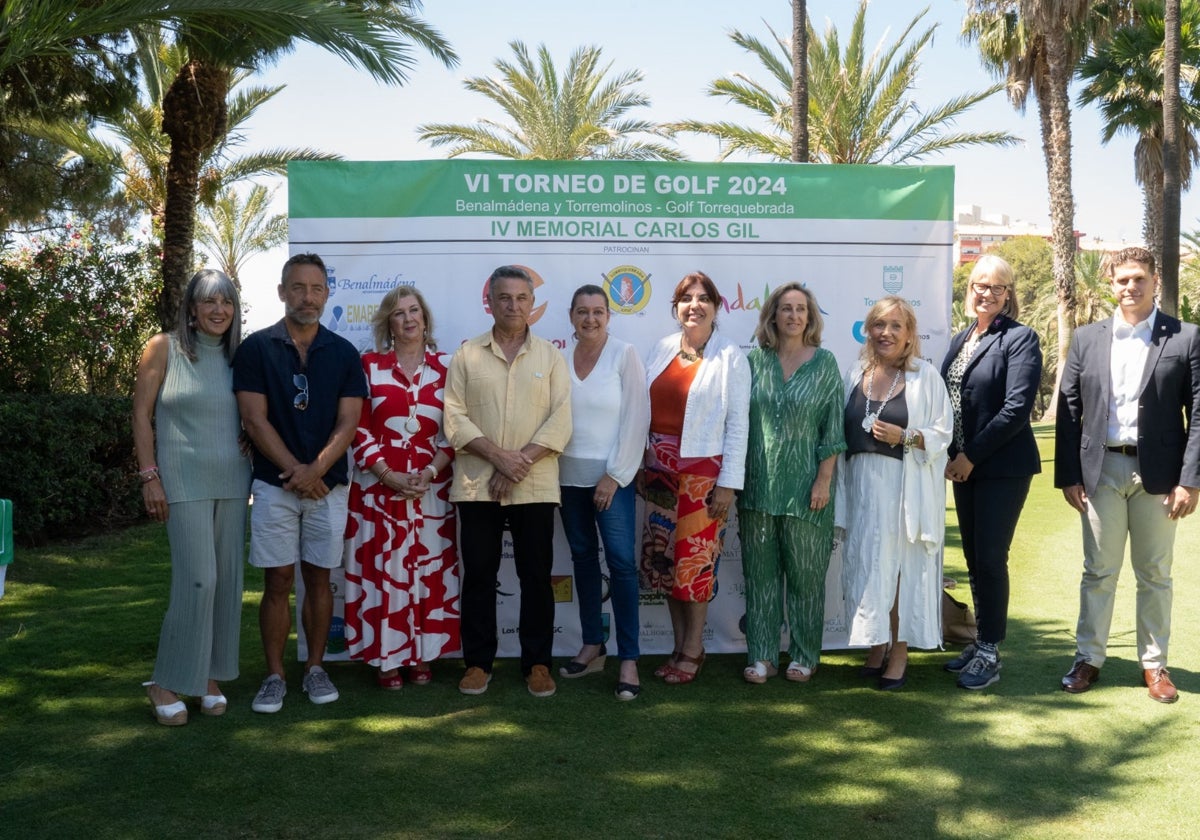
285,527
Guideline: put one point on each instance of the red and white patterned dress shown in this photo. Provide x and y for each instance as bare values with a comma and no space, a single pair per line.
402,585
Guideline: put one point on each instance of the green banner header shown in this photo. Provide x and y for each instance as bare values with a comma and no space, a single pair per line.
624,189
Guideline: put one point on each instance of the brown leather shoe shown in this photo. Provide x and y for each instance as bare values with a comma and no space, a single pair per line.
1158,680
1080,678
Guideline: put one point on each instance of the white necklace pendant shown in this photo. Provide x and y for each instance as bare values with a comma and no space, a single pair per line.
868,422
412,425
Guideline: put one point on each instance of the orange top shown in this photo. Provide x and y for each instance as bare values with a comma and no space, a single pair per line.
668,397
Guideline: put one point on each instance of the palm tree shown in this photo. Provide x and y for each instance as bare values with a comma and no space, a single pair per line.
1173,130
219,35
132,142
575,115
1125,75
1035,45
860,108
377,37
800,81
233,230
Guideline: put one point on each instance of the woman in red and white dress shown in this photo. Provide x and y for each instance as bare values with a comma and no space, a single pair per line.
402,585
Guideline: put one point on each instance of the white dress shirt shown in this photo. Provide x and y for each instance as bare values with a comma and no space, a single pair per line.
1130,347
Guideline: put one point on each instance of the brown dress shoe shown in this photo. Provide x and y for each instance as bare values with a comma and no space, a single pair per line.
1080,678
1160,685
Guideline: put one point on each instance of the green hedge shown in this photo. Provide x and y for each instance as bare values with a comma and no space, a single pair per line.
66,461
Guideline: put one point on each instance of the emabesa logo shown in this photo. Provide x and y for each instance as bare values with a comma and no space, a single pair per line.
628,289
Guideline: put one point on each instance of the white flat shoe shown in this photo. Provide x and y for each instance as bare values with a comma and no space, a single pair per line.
168,714
213,704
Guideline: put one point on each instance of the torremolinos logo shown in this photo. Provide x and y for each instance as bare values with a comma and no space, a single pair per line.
627,288
893,279
538,311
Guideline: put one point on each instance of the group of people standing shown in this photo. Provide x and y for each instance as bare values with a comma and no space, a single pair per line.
448,453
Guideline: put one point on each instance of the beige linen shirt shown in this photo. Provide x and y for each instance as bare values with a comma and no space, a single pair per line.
513,405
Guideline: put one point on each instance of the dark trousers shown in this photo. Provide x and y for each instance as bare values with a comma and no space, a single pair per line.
482,532
988,510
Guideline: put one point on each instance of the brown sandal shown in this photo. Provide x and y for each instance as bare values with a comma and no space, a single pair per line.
674,676
661,670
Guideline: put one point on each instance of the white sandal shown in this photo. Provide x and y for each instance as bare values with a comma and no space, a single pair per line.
759,672
168,714
213,704
798,673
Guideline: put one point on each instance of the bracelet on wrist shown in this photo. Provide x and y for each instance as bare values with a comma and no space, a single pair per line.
147,475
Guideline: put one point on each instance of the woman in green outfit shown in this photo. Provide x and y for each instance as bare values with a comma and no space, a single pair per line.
785,512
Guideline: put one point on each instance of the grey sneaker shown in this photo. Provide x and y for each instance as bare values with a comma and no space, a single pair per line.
318,686
270,695
979,673
959,662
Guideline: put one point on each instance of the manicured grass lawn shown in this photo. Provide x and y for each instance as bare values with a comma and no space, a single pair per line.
81,757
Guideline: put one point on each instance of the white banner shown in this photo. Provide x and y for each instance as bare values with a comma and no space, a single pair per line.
851,234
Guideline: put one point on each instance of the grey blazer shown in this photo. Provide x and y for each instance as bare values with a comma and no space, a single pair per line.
1168,446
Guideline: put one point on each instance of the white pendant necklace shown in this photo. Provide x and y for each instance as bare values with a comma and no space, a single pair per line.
412,424
871,416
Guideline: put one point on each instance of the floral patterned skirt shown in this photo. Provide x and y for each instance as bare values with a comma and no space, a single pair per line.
681,544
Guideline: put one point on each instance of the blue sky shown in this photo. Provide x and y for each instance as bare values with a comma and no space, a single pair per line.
680,46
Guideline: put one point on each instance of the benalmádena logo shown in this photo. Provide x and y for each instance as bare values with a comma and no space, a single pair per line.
628,289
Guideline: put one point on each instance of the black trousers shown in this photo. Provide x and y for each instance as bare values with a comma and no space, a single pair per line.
988,510
482,532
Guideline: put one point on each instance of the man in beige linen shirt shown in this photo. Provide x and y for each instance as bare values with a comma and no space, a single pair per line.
508,416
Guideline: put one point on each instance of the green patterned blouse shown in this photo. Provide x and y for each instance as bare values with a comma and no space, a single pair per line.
794,426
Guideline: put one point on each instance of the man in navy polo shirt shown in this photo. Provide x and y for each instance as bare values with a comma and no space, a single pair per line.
300,389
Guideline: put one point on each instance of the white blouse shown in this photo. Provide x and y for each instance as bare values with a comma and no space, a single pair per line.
610,412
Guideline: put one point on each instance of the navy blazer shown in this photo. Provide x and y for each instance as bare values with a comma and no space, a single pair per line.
1168,398
998,390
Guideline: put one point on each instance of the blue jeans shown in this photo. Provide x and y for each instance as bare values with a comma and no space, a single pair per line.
617,527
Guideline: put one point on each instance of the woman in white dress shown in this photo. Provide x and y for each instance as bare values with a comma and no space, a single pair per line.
891,497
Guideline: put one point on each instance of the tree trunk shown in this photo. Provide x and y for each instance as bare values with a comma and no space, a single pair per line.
800,81
1062,201
1152,218
1169,300
195,118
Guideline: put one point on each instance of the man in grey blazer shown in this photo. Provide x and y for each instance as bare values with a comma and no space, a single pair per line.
1128,459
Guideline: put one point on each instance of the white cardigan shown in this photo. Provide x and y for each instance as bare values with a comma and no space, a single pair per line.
923,495
716,419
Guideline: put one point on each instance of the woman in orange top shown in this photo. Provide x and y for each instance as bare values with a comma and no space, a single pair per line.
699,420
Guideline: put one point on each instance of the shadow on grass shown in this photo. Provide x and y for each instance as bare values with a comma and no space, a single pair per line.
80,755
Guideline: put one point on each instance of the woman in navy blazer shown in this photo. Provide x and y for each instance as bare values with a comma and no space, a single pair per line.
992,370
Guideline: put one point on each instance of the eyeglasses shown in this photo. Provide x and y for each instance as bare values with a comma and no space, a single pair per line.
994,289
301,400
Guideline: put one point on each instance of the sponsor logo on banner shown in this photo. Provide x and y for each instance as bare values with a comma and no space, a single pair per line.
857,331
627,288
359,302
561,584
893,279
538,311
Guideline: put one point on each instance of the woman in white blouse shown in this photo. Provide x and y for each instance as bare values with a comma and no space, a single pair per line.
610,410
